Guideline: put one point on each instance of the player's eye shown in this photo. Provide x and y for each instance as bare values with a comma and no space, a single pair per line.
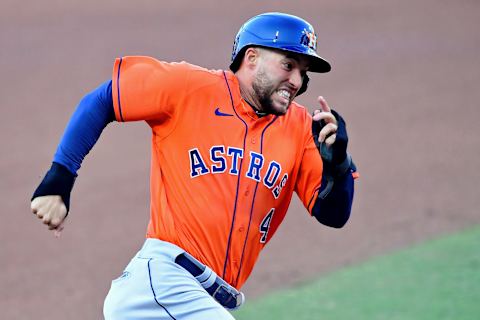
288,66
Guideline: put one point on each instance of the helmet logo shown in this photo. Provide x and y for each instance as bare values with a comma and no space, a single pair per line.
309,39
276,36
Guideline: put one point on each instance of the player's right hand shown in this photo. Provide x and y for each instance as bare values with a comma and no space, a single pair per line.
51,210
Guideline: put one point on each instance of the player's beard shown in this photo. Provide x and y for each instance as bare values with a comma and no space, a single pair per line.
264,88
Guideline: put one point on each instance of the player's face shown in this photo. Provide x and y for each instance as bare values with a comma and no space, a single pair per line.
278,78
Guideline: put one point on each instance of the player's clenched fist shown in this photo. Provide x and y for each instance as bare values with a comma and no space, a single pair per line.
51,199
50,209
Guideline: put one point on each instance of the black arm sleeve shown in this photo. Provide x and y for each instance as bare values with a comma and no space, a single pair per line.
334,202
334,209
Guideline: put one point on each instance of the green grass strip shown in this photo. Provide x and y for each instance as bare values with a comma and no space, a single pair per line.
436,280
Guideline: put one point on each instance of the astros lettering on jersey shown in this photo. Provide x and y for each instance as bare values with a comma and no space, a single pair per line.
210,150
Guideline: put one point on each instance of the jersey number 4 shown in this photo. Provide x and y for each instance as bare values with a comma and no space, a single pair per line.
265,225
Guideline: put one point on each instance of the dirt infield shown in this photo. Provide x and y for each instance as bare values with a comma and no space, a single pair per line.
405,76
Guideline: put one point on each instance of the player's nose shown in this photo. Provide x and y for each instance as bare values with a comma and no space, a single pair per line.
296,78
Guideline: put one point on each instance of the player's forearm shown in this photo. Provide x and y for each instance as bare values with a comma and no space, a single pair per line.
93,114
334,209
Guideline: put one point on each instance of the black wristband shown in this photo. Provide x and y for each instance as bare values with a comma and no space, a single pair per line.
58,181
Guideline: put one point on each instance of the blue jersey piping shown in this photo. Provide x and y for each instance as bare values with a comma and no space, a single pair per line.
238,179
253,203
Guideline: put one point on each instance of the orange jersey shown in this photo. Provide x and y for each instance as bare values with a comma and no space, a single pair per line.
222,178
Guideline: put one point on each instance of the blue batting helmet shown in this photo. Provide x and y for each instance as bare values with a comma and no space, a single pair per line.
279,31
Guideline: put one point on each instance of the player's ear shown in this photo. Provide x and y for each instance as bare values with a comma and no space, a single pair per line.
251,56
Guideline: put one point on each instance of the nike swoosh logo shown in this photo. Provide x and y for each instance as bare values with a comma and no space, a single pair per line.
221,114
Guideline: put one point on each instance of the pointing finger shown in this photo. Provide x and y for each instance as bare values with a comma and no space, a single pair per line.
323,104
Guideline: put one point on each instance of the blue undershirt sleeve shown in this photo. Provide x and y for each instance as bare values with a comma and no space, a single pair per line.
93,113
334,210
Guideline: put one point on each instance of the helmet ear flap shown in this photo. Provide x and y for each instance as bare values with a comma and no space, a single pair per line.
304,86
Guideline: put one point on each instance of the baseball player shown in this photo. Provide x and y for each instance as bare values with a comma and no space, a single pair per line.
229,148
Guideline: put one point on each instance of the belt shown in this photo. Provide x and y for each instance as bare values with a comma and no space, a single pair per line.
219,289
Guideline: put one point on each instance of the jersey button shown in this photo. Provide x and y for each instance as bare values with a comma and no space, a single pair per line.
253,140
241,229
247,192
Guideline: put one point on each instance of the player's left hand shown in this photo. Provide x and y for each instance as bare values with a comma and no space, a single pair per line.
328,132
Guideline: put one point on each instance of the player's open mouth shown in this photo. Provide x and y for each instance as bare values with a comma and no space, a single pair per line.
285,94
